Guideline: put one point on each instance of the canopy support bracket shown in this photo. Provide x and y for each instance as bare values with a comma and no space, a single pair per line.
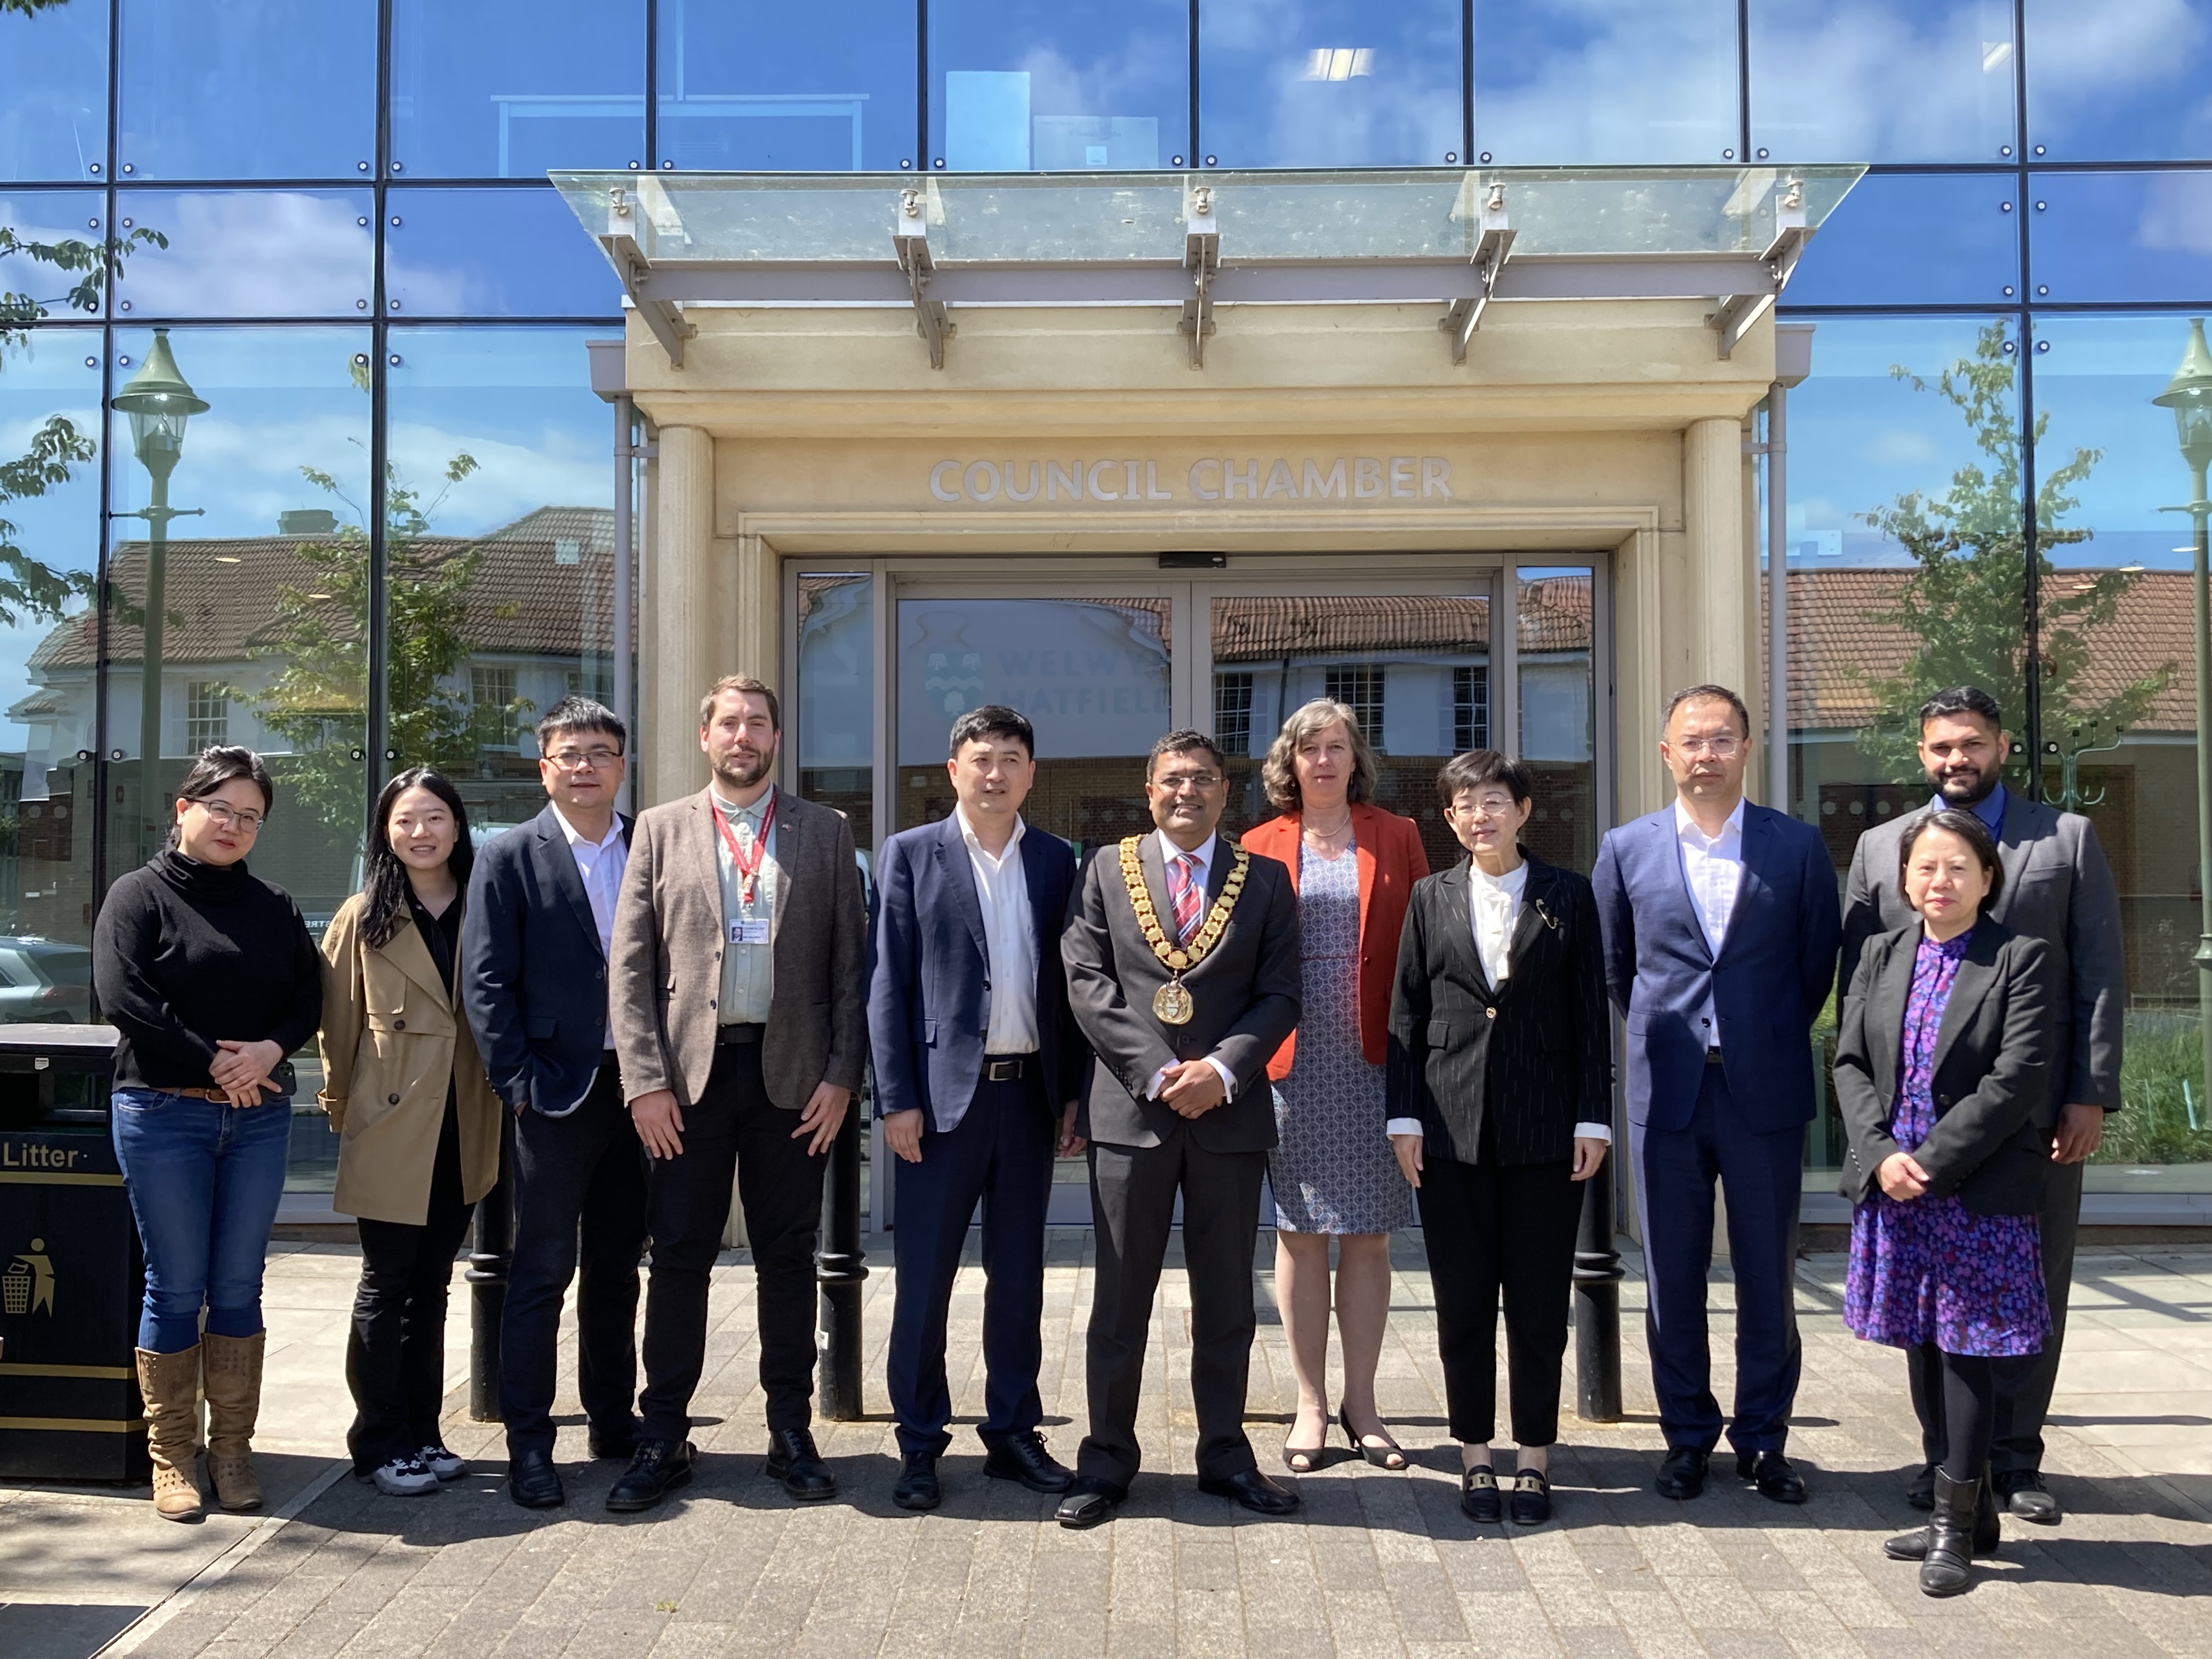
1201,257
1739,312
664,317
1491,250
910,241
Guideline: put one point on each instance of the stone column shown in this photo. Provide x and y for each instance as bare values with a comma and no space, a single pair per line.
676,634
1721,636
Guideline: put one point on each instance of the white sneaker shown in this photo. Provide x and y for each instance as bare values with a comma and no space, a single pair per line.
446,1465
403,1477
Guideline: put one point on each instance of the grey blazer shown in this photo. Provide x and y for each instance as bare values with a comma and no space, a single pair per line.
1992,1069
1246,994
2057,888
667,962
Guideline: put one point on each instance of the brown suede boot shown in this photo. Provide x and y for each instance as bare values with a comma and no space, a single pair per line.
233,1385
170,1383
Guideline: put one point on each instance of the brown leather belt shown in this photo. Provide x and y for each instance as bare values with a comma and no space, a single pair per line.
216,1095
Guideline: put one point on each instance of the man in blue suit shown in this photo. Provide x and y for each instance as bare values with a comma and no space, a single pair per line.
534,944
1721,924
979,1066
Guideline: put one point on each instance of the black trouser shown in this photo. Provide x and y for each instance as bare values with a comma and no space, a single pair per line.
581,1175
999,1155
733,1125
1133,1199
395,1352
1956,1398
1490,1229
2023,1384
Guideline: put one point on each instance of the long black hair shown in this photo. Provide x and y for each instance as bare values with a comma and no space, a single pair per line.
384,876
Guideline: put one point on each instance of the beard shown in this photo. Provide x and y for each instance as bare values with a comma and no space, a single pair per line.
1968,788
742,768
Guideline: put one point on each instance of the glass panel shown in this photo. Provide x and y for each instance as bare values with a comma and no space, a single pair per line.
248,253
507,89
1092,676
2122,236
1555,629
500,530
837,699
2119,725
1916,239
491,252
1330,83
827,88
2118,84
256,552
1430,213
1416,668
1082,84
1905,568
53,92
49,554
247,89
1883,80
1584,83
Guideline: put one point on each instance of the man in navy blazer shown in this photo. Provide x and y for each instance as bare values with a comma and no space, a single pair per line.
979,1066
1721,924
534,944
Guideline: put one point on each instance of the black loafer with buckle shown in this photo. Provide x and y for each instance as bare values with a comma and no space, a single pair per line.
1478,1496
1532,1498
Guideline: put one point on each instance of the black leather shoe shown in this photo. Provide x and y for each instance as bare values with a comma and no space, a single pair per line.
1921,1494
1771,1472
1254,1491
1086,1502
1682,1471
917,1486
1023,1457
534,1482
1478,1496
1947,1564
2026,1495
1531,1504
613,1443
657,1468
1989,1532
793,1460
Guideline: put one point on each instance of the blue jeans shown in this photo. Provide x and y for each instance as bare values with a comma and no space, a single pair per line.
203,1179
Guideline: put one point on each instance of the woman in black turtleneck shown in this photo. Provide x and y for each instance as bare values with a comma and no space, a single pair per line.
209,974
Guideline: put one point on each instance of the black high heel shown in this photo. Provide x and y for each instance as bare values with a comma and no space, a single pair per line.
1313,1454
1381,1456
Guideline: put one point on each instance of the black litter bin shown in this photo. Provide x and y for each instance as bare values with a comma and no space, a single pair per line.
71,1272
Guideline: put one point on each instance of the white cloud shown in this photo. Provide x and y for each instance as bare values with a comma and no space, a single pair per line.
258,253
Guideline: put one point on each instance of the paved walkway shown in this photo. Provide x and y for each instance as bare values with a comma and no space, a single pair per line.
1379,1564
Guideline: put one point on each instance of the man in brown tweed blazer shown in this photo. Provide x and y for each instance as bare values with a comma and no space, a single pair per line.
740,1022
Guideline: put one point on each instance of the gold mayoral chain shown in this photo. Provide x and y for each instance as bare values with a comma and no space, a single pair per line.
1172,1003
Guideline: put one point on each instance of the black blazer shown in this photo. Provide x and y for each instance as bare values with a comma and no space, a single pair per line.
1246,995
1993,1059
532,977
1534,1057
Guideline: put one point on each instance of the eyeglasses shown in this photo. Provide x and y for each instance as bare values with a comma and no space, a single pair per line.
1175,783
226,817
1490,806
1720,748
576,760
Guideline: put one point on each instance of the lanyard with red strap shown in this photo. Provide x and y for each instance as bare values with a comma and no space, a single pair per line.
748,869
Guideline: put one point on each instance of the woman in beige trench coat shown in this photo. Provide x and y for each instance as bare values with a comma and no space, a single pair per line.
419,1125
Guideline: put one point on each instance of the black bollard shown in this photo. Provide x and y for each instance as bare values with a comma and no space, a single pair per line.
1597,1304
487,1280
838,1270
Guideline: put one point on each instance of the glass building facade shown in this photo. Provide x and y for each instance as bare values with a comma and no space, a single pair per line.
400,543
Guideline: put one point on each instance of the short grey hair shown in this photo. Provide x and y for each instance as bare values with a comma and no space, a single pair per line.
1279,775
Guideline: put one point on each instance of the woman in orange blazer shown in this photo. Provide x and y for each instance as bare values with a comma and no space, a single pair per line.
1333,1170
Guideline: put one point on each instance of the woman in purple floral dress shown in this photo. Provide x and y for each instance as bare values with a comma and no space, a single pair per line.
1943,1070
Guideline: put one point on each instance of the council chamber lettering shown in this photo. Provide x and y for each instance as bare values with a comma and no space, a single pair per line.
1210,479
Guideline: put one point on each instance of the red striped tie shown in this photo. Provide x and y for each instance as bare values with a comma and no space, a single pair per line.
1184,894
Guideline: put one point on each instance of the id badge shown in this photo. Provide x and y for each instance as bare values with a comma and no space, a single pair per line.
749,930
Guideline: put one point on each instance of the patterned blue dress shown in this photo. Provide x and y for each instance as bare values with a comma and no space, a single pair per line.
1333,1170
1930,1269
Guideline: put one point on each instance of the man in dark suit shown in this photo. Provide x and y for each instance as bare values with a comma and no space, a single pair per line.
740,965
978,1066
1720,924
534,943
2057,888
1183,971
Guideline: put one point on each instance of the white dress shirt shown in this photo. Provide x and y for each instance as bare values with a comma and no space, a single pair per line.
1204,855
1712,869
1493,910
1009,939
600,865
